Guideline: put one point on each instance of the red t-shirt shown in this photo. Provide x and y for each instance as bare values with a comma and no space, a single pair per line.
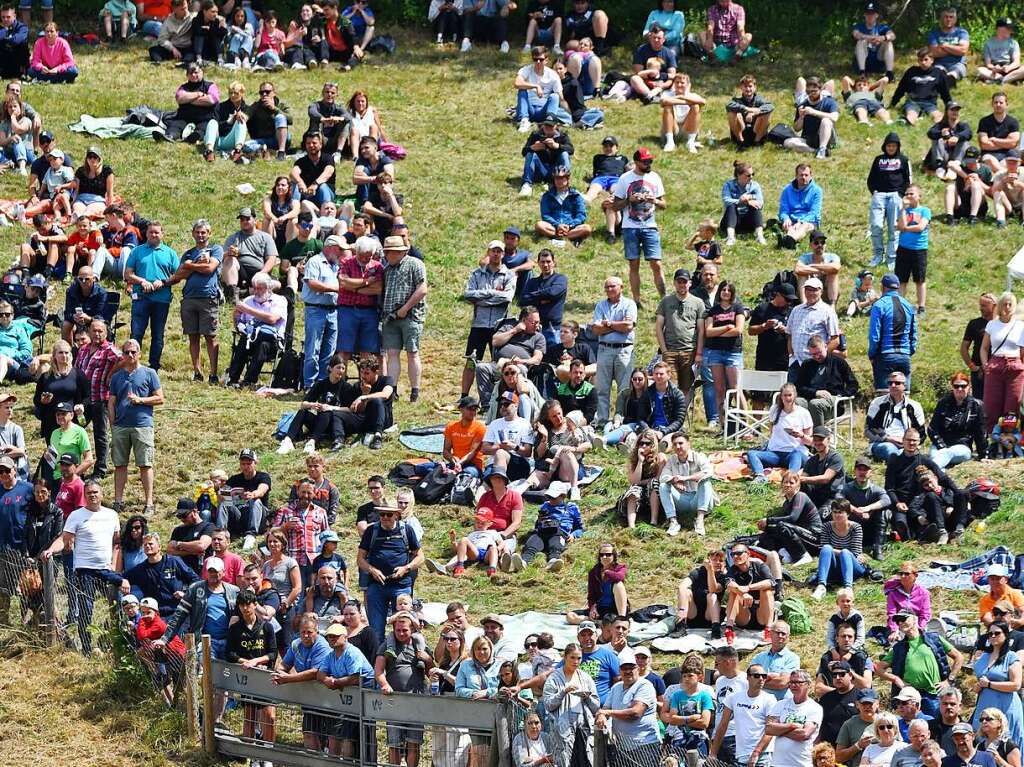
233,566
502,509
93,240
70,496
155,9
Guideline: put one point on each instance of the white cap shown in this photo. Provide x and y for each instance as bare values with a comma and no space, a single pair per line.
627,657
150,603
638,651
495,244
813,282
214,563
556,489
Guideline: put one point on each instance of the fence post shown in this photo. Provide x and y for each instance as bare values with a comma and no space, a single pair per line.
600,748
48,574
209,743
189,678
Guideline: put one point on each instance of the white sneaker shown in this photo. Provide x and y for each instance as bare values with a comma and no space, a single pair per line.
436,567
730,241
819,592
367,439
527,48
598,441
670,144
526,190
761,240
821,154
554,565
440,39
517,565
673,527
698,525
557,50
467,46
691,147
806,559
286,446
525,125
249,543
310,447
574,493
503,48
297,65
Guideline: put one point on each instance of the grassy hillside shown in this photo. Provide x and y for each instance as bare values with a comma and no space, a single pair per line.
460,183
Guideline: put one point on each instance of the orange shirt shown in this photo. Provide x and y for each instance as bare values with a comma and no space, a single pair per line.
462,438
987,602
155,9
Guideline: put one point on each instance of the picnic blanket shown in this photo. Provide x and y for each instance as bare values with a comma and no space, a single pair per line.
115,127
968,575
424,439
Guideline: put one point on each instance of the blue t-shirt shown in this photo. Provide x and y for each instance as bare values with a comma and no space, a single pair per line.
777,663
300,658
217,617
142,381
153,264
879,30
513,260
391,549
683,704
666,54
658,418
358,22
203,285
603,666
812,123
916,240
351,661
955,36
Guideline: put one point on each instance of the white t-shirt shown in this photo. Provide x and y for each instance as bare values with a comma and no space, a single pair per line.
877,755
94,537
549,79
1009,334
789,752
517,431
638,731
799,419
483,539
724,687
749,716
639,215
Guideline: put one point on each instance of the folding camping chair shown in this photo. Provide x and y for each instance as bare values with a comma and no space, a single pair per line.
743,420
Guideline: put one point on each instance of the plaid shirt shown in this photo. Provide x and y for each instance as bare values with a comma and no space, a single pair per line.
351,268
95,364
807,320
304,543
400,281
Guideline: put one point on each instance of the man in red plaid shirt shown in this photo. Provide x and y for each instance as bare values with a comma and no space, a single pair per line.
302,521
96,361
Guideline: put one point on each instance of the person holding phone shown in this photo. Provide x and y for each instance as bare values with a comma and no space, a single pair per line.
790,436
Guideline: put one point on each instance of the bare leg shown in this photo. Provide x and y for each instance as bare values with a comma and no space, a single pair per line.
120,480
621,599
413,359
634,279
213,352
659,280
193,352
146,475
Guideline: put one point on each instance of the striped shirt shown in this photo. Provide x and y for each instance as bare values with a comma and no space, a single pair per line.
95,363
853,541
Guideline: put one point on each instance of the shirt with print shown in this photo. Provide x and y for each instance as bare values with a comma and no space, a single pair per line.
639,214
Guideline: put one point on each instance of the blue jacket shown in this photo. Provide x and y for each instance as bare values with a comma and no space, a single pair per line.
161,581
16,35
15,343
92,304
892,327
801,204
572,210
566,516
548,295
732,190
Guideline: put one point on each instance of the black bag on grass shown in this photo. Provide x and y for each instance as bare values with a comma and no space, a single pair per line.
436,487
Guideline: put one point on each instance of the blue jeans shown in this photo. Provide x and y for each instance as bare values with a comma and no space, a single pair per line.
707,393
323,194
830,560
950,456
673,500
87,581
240,45
646,240
67,76
20,152
885,209
380,599
930,705
792,460
153,314
268,59
613,436
534,169
151,28
882,450
321,338
886,363
256,144
533,107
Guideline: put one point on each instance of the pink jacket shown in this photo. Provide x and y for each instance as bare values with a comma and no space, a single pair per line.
57,57
919,601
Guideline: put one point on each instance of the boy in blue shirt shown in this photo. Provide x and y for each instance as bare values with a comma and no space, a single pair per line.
557,523
912,253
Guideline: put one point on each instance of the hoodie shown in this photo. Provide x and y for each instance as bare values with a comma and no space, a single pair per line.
890,173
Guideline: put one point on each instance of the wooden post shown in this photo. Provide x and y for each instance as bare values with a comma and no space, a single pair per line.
48,573
188,677
209,742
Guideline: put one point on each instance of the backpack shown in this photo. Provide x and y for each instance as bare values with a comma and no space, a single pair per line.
283,424
543,377
436,487
779,133
288,373
983,495
404,474
464,490
780,278
795,613
406,532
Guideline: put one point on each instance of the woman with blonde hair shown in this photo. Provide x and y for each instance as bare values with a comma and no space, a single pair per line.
450,745
476,682
887,733
63,382
1001,350
642,471
994,737
823,755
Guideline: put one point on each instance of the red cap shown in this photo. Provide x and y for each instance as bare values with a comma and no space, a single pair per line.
485,513
643,153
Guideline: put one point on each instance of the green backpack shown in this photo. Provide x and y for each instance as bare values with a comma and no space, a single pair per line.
794,612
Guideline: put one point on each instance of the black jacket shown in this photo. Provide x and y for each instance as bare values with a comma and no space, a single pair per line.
889,173
674,402
549,156
900,480
245,643
961,130
918,84
954,424
43,525
832,375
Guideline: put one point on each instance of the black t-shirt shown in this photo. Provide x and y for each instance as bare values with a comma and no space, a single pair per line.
720,317
96,185
367,513
250,485
190,533
816,466
549,12
666,54
699,580
994,129
352,390
709,250
837,708
579,351
974,333
310,171
858,662
610,164
366,642
771,353
327,393
758,571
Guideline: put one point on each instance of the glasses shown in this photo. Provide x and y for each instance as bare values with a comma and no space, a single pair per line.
306,226
6,314
266,93
132,352
387,514
540,58
901,573
897,383
451,639
510,373
738,553
799,682
840,673
960,386
646,443
986,718
607,554
755,675
990,634
885,727
134,527
530,645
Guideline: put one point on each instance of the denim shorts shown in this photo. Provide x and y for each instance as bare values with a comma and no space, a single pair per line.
647,240
605,182
724,358
921,107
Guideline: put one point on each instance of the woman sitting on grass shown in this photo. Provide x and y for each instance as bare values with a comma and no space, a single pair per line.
842,550
795,532
642,470
606,588
559,445
52,61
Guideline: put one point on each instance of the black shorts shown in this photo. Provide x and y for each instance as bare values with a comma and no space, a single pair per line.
911,264
478,341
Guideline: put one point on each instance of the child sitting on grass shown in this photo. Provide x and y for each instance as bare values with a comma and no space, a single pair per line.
863,294
481,545
120,12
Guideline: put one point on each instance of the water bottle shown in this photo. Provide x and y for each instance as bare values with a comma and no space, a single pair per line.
730,635
767,634
435,686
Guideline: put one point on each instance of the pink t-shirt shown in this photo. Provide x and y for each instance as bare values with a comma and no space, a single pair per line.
727,22
233,566
57,56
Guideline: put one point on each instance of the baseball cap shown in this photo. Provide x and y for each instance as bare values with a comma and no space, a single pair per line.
55,153
94,150
45,137
586,626
682,274
329,536
396,243
336,241
890,280
817,235
214,563
246,453
610,140
149,602
36,281
65,407
862,460
8,396
840,665
1003,606
507,397
960,728
903,615
469,401
997,570
642,154
129,599
513,230
484,514
972,153
821,431
492,618
953,105
1004,22
909,693
185,506
335,630
627,657
870,8
246,213
549,121
495,244
7,463
813,282
1013,154
866,695
555,489
638,651
68,460
786,290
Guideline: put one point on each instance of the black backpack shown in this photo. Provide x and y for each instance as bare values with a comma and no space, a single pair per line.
436,487
776,282
288,373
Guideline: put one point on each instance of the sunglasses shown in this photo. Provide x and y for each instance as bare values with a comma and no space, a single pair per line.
897,383
607,554
306,226
387,514
265,93
739,553
960,386
451,639
540,58
530,644
989,635
6,314
840,673
885,727
755,675
986,718
646,443
905,572
510,373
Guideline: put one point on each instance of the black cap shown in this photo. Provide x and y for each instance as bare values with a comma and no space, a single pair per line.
549,121
65,407
786,290
817,234
185,506
247,453
45,136
972,153
68,460
610,140
870,8
862,460
468,401
1004,22
1013,154
682,274
821,431
953,105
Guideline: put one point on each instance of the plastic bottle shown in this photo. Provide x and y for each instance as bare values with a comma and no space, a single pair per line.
435,686
730,635
767,634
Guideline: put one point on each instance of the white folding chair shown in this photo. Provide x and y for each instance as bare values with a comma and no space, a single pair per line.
842,420
749,421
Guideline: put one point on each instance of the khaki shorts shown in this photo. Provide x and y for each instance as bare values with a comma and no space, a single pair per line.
401,334
200,316
133,439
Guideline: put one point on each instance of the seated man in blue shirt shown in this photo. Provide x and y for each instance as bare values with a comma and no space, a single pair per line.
563,211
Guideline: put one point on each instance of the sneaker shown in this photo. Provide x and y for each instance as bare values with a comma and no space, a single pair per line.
730,241
118,506
414,394
249,543
554,566
519,485
527,48
673,528
197,377
524,125
503,48
338,444
298,65
436,567
947,219
214,379
691,147
310,447
526,190
804,560
972,220
281,156
598,441
819,592
876,552
610,238
920,311
930,534
367,439
208,155
680,630
505,562
943,538
670,145
760,480
440,39
821,154
698,525
713,425
574,493
875,260
491,572
312,65
788,242
716,631
957,534
760,240
466,46
286,446
377,442
458,571
148,510
517,565
557,50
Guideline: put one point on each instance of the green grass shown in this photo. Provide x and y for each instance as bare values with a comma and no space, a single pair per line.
460,182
